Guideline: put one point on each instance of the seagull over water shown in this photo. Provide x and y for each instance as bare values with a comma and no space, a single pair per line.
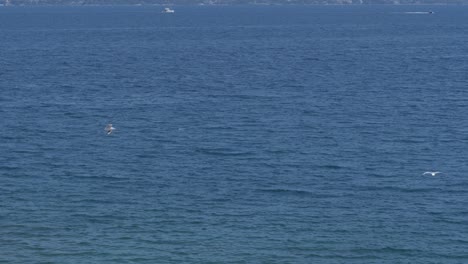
433,173
109,128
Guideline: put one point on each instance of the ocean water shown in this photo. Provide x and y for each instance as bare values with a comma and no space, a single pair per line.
259,134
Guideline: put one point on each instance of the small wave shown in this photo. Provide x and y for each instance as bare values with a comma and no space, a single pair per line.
311,59
446,220
398,189
223,152
219,127
287,191
296,192
101,178
458,241
9,168
393,250
331,167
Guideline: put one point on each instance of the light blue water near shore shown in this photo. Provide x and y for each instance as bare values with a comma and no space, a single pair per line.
244,135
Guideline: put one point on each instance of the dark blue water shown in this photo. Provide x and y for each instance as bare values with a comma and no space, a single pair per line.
243,135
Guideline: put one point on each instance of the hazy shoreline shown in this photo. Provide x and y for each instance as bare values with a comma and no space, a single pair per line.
228,3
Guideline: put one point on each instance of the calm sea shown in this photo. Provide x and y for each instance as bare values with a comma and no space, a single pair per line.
259,134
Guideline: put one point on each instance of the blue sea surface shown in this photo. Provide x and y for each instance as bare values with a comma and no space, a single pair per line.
244,134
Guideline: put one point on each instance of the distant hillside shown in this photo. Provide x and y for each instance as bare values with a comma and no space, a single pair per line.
224,2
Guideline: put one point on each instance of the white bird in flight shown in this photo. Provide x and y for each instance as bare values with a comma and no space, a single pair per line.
109,128
433,173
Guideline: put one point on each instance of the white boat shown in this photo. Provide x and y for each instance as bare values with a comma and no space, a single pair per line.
420,13
168,10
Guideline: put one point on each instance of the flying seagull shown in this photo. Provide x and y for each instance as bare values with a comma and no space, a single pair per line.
433,173
109,128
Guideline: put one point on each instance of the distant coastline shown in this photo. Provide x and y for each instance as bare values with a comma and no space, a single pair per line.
229,2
